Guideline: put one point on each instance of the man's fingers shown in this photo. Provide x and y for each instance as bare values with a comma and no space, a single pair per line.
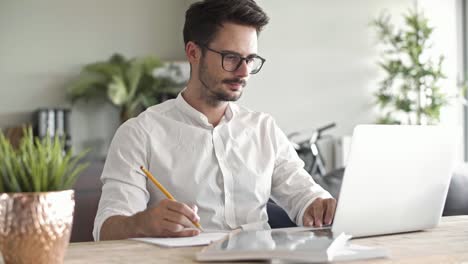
167,220
171,226
330,210
188,232
308,219
318,212
194,208
185,233
177,218
183,209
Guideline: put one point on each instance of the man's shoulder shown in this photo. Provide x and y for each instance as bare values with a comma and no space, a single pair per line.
158,111
150,118
161,108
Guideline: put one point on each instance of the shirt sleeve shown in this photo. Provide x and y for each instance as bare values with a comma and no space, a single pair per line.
292,186
124,186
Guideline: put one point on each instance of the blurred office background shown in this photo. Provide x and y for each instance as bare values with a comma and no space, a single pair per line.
321,59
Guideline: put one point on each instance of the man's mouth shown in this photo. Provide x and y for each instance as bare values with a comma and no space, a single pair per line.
235,85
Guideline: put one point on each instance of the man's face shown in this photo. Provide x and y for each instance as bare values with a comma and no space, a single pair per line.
219,85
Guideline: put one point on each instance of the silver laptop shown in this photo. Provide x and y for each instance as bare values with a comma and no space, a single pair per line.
396,179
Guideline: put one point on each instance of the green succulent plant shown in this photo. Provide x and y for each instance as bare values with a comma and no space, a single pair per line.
37,165
129,84
410,93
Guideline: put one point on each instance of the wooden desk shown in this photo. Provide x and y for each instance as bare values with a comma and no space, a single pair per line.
447,243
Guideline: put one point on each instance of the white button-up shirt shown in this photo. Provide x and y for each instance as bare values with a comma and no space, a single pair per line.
229,171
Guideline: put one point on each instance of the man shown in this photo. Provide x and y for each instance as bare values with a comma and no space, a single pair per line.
222,162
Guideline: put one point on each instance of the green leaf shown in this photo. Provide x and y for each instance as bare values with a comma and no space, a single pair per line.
406,73
124,82
133,74
383,99
37,165
148,64
117,91
72,175
86,87
105,69
117,59
388,120
403,104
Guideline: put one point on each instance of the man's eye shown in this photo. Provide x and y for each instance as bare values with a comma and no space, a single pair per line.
231,57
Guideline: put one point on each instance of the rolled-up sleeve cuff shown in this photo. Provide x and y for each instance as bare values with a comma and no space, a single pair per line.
323,194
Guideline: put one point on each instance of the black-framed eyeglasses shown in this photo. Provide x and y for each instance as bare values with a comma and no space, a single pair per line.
231,61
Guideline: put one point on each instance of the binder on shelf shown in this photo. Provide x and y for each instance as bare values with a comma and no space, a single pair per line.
53,121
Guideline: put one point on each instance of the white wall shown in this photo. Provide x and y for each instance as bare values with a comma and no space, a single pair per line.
321,56
43,45
447,41
322,60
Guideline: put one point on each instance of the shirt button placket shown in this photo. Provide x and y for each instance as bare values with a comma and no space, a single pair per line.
220,152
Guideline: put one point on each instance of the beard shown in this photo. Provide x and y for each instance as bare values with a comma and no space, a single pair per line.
212,87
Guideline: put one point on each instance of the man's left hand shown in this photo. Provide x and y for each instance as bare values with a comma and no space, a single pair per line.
320,212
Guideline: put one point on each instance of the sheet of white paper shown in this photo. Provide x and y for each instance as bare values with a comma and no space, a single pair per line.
202,239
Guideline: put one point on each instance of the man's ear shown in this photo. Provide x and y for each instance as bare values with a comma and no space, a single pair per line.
192,52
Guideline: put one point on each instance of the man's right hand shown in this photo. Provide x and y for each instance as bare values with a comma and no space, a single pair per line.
168,219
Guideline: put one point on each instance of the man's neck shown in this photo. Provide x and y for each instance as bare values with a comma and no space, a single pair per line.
214,112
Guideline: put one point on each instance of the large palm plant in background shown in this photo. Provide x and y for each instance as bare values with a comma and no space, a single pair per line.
129,84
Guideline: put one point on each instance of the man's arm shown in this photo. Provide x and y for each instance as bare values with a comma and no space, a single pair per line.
122,211
168,219
119,227
294,189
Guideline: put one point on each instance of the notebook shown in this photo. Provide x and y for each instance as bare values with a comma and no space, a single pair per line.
202,239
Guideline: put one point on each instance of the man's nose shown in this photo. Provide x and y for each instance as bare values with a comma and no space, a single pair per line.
243,70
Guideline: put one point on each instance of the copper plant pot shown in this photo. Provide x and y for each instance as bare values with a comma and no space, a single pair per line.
35,227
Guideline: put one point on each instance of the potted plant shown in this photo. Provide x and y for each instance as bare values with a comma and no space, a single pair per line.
36,199
129,84
410,93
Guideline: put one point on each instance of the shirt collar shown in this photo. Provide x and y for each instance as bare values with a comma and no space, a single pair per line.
200,117
230,111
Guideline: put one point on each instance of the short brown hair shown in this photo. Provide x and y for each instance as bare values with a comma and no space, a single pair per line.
203,19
